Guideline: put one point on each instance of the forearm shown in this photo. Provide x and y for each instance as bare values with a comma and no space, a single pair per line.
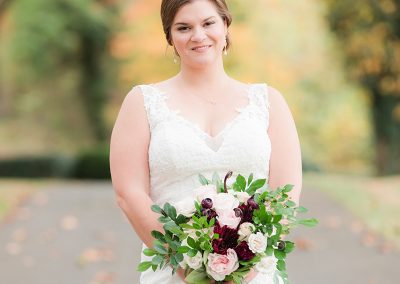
137,207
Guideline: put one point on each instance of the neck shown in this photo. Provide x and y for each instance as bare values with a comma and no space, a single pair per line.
210,77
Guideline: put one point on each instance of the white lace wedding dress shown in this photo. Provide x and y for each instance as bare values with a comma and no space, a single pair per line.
179,150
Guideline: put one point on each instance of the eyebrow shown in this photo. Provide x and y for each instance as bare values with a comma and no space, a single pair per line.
180,23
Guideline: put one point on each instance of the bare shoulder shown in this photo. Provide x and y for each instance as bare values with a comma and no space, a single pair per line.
132,118
280,115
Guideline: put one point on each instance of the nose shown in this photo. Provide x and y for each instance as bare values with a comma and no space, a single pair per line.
198,35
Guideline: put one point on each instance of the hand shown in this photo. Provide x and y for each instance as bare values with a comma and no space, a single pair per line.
181,274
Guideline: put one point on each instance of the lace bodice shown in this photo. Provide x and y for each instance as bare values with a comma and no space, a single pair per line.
179,150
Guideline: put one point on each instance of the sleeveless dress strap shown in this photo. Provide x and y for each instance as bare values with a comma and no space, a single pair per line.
155,108
261,101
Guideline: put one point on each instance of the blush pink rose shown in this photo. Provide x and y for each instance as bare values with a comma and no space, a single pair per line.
225,202
220,265
229,219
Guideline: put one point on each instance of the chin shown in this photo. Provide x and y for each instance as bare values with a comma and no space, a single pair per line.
203,62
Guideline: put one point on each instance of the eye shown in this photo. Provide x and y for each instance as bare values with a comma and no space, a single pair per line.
209,23
183,28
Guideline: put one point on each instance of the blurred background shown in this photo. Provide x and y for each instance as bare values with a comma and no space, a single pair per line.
66,66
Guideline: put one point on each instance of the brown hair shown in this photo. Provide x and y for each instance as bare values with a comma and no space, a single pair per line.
169,8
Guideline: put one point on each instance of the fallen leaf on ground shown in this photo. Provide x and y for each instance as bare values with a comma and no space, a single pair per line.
103,277
19,235
369,240
333,222
41,198
303,244
13,248
69,223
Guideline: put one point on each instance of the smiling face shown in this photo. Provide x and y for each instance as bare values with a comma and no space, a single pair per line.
198,33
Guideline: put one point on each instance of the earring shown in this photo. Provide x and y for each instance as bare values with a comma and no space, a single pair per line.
174,56
225,47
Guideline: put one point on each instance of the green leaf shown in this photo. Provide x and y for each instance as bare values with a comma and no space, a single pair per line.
143,266
157,235
240,184
156,208
163,219
250,179
203,180
281,265
179,257
173,228
290,203
301,209
192,252
255,185
170,210
157,260
192,243
289,246
308,222
173,261
160,248
149,252
287,188
215,178
183,249
279,254
197,277
181,219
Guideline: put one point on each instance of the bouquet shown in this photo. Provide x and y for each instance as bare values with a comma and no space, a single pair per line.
222,232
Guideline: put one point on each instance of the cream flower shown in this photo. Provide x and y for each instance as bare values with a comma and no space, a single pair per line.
267,265
257,242
245,230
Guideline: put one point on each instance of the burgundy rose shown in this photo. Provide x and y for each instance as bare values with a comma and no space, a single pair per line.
243,251
228,238
247,213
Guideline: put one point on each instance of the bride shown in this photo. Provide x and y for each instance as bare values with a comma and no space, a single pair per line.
199,121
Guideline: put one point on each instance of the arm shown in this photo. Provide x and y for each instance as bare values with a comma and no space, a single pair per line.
129,166
285,163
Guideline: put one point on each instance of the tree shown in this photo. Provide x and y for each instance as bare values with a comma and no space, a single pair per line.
369,34
67,34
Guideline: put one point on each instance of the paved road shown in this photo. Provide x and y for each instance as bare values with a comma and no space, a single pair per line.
75,233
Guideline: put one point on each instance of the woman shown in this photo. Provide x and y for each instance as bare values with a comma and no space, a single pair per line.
199,121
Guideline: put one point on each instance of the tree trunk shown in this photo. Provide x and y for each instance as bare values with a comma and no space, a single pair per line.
387,133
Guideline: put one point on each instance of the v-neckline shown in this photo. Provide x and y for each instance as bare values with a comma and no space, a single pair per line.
196,127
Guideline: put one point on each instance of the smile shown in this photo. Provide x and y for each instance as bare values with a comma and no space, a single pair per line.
201,48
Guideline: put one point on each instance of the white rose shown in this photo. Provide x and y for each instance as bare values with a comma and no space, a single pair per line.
185,207
245,230
242,196
194,262
267,265
205,191
225,202
257,242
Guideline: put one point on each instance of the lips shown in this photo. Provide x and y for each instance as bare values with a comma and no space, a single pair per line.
201,47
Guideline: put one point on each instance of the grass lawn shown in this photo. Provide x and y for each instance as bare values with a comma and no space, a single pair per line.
374,200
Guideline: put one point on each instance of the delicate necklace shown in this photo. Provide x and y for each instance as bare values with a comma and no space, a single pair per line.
213,101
